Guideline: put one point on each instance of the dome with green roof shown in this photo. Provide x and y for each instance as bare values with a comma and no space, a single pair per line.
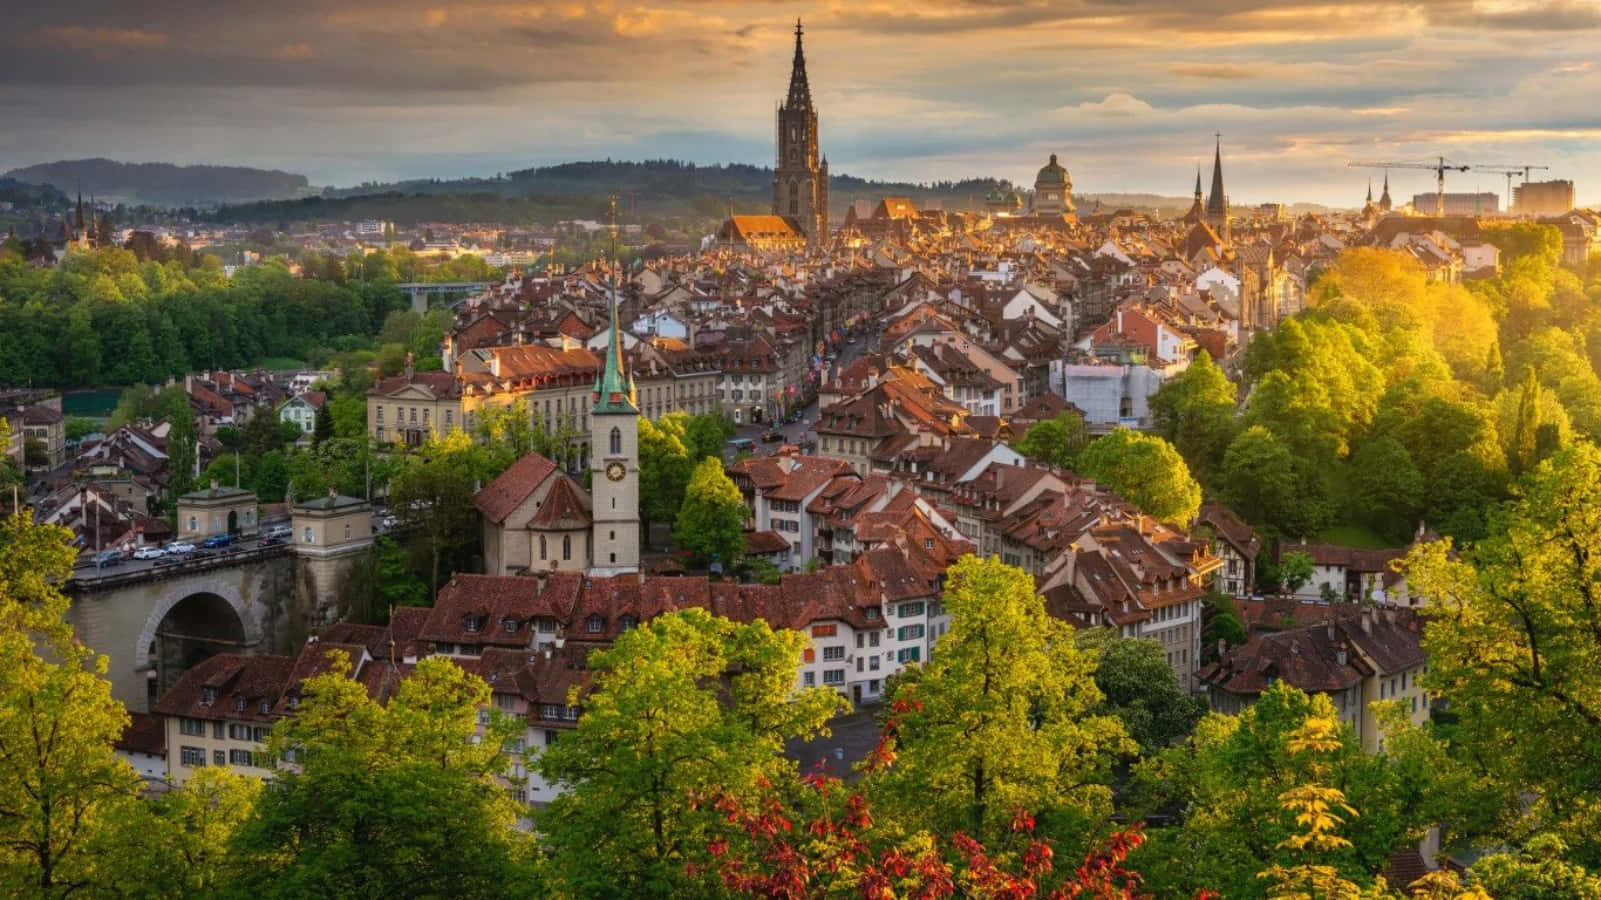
1053,173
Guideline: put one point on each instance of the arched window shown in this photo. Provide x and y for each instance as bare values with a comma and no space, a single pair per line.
566,546
794,199
616,441
542,553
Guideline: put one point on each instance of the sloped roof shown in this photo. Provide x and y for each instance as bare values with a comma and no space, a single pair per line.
510,488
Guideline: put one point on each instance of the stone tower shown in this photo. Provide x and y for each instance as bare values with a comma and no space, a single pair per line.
800,175
1217,202
614,459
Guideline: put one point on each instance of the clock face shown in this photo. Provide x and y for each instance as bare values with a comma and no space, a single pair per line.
615,471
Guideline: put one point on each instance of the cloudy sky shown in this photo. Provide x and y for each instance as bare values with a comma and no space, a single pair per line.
1128,92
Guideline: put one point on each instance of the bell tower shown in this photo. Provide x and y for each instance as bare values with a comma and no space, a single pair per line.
614,452
800,174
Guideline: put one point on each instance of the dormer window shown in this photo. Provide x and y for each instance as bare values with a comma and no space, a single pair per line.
594,624
266,707
238,704
627,623
208,696
294,701
472,624
509,624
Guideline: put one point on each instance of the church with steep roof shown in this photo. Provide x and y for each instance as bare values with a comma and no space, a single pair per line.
800,174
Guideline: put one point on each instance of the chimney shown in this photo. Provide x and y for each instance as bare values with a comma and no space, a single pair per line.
1367,621
1340,655
1222,647
1329,624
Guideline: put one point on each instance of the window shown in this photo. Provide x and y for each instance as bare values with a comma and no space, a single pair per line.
627,623
347,531
192,727
809,679
380,415
194,524
808,654
241,758
594,624
239,732
260,733
219,758
470,624
549,711
823,630
509,625
542,553
910,654
870,614
616,442
909,633
910,609
872,662
833,653
506,701
872,639
193,757
208,696
550,736
566,546
859,638
307,537
833,676
545,624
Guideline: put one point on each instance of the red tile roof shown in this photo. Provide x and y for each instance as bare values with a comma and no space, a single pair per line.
510,488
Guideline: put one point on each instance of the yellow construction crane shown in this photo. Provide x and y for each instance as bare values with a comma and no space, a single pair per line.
1509,171
1439,168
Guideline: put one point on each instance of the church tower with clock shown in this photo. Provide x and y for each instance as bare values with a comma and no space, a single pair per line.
614,460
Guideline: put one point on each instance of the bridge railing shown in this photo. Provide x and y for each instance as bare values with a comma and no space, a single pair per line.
90,578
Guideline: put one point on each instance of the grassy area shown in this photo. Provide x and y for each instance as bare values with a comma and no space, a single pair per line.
280,364
1353,536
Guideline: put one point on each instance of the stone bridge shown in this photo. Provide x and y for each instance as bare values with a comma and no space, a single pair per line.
154,621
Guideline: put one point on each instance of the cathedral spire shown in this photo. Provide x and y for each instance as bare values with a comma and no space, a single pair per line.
1370,190
1216,205
800,92
1197,182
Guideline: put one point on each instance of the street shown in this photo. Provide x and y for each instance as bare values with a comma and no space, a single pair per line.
795,432
852,736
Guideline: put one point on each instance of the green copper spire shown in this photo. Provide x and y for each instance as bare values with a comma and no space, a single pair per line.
614,390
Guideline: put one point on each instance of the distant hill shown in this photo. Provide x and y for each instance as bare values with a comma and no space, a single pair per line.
164,184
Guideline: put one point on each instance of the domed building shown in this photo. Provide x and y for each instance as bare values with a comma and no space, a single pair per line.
1053,190
1003,201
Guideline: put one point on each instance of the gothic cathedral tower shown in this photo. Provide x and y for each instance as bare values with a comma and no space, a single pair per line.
614,459
800,176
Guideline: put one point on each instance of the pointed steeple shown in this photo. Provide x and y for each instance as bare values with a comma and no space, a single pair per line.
800,92
1197,182
1370,191
78,220
614,389
1216,204
1384,198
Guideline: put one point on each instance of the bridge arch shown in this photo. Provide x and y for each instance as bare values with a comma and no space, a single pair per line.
204,598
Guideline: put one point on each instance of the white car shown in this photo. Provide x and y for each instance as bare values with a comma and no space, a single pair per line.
180,547
149,553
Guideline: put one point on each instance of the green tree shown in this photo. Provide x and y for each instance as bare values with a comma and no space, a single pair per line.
397,582
706,433
1386,488
1138,687
432,496
1258,480
711,521
1296,569
60,780
664,469
179,843
1232,784
1195,411
1002,717
683,707
1539,870
1220,622
182,447
323,426
388,800
1513,630
1054,442
1146,471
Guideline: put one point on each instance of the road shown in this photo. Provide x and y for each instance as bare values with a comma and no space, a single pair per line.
795,432
85,567
852,737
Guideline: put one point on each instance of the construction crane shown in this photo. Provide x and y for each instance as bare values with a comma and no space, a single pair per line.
1509,171
1439,169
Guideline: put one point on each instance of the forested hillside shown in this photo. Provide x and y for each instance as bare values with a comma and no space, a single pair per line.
106,317
163,184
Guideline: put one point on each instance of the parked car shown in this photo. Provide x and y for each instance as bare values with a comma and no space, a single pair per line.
741,445
108,558
149,553
772,435
180,547
217,540
277,531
